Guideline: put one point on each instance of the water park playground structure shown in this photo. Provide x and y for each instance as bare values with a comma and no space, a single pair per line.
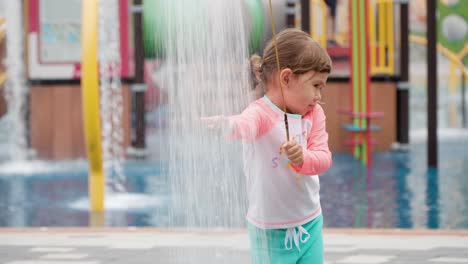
367,112
366,98
53,95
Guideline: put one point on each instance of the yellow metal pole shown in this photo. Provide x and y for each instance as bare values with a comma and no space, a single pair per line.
452,89
311,15
381,16
323,9
372,37
3,75
2,31
297,17
390,63
463,52
90,103
460,56
319,15
452,81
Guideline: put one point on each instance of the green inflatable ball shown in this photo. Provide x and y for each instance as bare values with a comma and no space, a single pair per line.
155,26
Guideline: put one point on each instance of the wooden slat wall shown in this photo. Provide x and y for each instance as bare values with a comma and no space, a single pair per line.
56,121
42,122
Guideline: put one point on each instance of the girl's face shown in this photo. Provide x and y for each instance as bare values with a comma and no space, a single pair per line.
304,91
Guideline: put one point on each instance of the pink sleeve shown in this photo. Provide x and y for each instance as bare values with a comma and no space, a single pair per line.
317,156
251,124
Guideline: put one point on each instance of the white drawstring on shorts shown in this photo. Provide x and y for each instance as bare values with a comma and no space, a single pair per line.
296,236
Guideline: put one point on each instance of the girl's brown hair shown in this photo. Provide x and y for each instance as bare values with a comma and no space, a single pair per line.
296,51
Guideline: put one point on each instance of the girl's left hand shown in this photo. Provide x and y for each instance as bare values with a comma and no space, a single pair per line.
294,152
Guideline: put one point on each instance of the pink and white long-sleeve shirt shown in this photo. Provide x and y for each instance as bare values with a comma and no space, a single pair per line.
280,194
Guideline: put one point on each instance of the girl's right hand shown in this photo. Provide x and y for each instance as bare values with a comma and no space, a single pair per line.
294,152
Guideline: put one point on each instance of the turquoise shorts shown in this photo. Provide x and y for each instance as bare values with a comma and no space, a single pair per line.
302,244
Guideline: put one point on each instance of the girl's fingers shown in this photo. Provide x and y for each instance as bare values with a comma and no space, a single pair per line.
294,152
297,148
295,156
293,148
290,144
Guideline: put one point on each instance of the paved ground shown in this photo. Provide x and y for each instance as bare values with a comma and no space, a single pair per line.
147,245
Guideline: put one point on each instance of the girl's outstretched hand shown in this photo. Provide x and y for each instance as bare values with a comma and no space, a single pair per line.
218,124
293,150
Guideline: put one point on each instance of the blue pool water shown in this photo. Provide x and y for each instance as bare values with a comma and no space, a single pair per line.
399,191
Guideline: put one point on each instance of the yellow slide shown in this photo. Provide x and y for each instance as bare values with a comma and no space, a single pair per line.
90,103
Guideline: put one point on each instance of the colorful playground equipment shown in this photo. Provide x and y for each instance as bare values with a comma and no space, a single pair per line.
372,54
381,32
384,29
361,56
382,69
366,43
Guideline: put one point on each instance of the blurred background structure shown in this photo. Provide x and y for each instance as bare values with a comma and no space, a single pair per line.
163,64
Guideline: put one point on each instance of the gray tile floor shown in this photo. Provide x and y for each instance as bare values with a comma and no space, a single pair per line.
96,246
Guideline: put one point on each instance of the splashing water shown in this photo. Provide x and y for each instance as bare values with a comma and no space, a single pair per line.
16,89
204,72
111,94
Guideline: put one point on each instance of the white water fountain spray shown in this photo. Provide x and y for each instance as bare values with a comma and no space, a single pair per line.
16,88
204,72
111,94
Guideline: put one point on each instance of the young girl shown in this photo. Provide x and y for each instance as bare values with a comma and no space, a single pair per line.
284,215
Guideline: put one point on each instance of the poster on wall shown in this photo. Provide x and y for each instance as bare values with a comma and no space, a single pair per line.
60,31
54,39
